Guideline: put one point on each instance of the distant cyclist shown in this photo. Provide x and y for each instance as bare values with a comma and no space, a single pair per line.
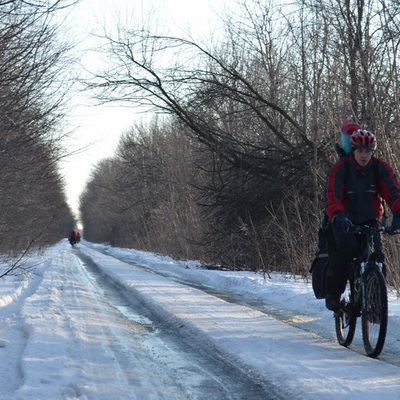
72,237
354,189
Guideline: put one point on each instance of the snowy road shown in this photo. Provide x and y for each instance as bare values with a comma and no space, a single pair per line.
86,326
151,356
72,333
302,318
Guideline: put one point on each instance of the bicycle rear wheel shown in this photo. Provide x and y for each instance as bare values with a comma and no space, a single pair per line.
346,317
374,316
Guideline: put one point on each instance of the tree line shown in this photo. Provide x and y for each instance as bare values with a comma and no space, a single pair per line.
232,169
34,211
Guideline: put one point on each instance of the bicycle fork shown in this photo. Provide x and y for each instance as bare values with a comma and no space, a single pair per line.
365,268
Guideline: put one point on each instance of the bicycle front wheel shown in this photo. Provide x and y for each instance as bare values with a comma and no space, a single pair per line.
374,316
346,317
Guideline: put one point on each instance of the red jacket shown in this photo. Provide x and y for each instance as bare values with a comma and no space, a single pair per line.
357,191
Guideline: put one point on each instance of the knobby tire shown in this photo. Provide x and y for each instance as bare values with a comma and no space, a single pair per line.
374,316
346,318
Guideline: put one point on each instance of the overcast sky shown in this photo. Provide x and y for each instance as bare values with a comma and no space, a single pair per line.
97,129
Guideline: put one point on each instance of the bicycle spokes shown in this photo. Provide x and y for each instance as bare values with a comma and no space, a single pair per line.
374,313
345,318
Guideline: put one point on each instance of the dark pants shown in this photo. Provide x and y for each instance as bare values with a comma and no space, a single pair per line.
347,247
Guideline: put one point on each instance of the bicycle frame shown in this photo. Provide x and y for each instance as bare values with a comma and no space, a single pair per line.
366,297
368,259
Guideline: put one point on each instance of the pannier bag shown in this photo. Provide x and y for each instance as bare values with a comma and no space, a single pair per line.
318,272
320,264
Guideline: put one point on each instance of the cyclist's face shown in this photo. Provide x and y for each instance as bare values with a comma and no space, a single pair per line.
362,156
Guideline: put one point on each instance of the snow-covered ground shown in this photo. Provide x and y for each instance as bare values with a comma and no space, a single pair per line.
52,330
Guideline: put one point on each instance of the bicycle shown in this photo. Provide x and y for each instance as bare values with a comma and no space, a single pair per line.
365,296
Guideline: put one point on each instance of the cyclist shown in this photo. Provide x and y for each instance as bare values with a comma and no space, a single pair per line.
72,237
354,189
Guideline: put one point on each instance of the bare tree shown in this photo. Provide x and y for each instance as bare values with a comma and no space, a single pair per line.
264,107
146,191
32,95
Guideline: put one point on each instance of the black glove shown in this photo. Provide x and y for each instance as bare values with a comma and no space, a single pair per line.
343,222
396,221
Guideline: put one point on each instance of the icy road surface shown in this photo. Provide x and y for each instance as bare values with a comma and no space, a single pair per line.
86,326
